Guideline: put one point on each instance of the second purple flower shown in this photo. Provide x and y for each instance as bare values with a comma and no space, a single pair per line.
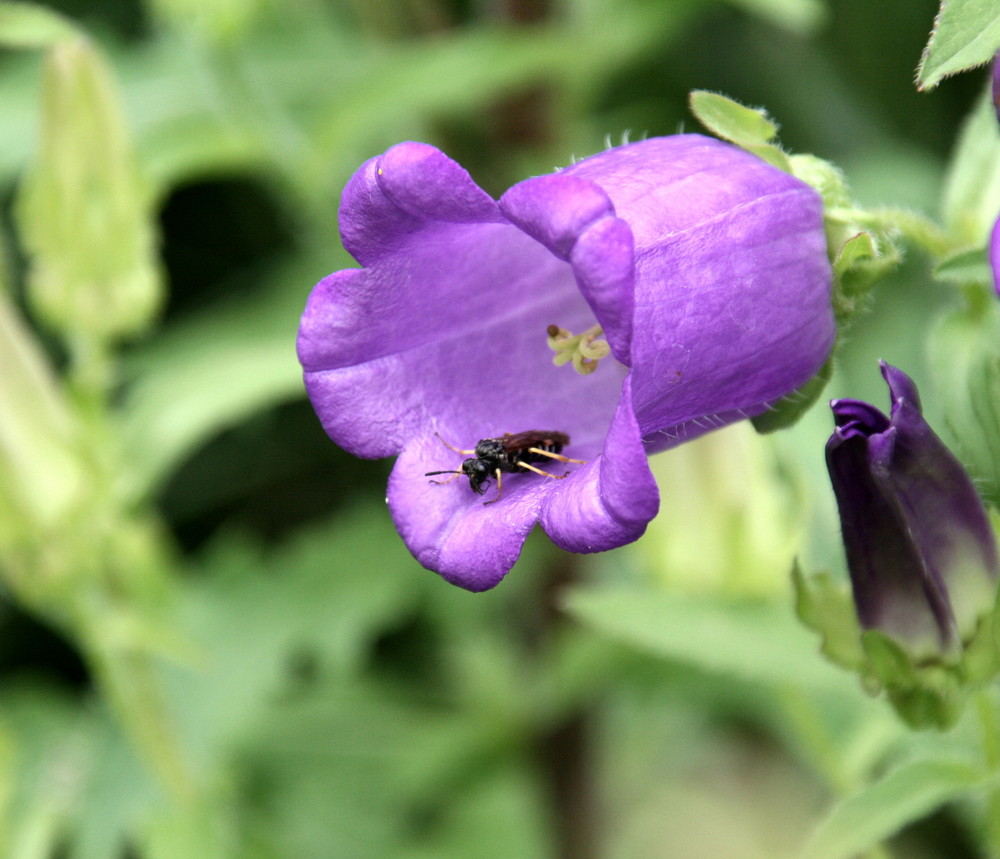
705,267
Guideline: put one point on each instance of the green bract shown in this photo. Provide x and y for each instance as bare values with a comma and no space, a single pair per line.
84,209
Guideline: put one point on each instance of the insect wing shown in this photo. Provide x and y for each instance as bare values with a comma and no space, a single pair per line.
518,441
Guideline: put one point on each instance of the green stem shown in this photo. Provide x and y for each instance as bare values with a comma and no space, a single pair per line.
130,682
91,376
920,231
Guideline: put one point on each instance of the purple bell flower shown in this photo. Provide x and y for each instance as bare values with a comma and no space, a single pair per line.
706,268
921,553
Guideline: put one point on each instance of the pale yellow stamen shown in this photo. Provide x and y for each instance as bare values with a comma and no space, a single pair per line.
584,350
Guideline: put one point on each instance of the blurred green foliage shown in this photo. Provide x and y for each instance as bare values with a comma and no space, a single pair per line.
212,643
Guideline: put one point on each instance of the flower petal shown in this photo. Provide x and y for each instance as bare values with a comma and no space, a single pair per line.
727,328
730,263
575,220
901,387
857,417
389,197
555,209
613,498
603,262
448,529
942,510
893,591
450,334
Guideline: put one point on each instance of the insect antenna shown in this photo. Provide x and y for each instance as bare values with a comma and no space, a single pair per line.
441,482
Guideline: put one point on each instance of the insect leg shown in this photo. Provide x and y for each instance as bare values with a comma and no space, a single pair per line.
499,488
544,473
456,449
557,456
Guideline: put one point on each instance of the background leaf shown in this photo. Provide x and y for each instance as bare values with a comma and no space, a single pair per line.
29,25
861,821
752,640
966,34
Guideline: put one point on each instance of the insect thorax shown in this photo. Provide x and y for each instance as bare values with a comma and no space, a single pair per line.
490,448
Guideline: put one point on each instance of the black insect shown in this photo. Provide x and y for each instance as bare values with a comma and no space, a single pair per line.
509,453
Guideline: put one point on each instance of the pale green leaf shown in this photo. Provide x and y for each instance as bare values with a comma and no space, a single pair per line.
877,811
752,640
800,16
331,99
826,606
963,360
213,370
968,266
787,411
26,25
39,475
972,190
327,593
745,126
855,249
966,34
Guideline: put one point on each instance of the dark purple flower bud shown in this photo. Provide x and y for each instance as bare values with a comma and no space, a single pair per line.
921,553
705,268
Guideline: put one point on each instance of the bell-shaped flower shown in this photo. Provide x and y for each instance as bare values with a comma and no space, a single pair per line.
920,550
705,268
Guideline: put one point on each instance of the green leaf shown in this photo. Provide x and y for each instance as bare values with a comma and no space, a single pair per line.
331,99
229,361
827,607
826,178
745,126
856,249
800,16
328,593
47,744
494,818
40,477
25,25
753,640
906,794
118,794
972,190
965,267
787,411
966,34
354,764
966,370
